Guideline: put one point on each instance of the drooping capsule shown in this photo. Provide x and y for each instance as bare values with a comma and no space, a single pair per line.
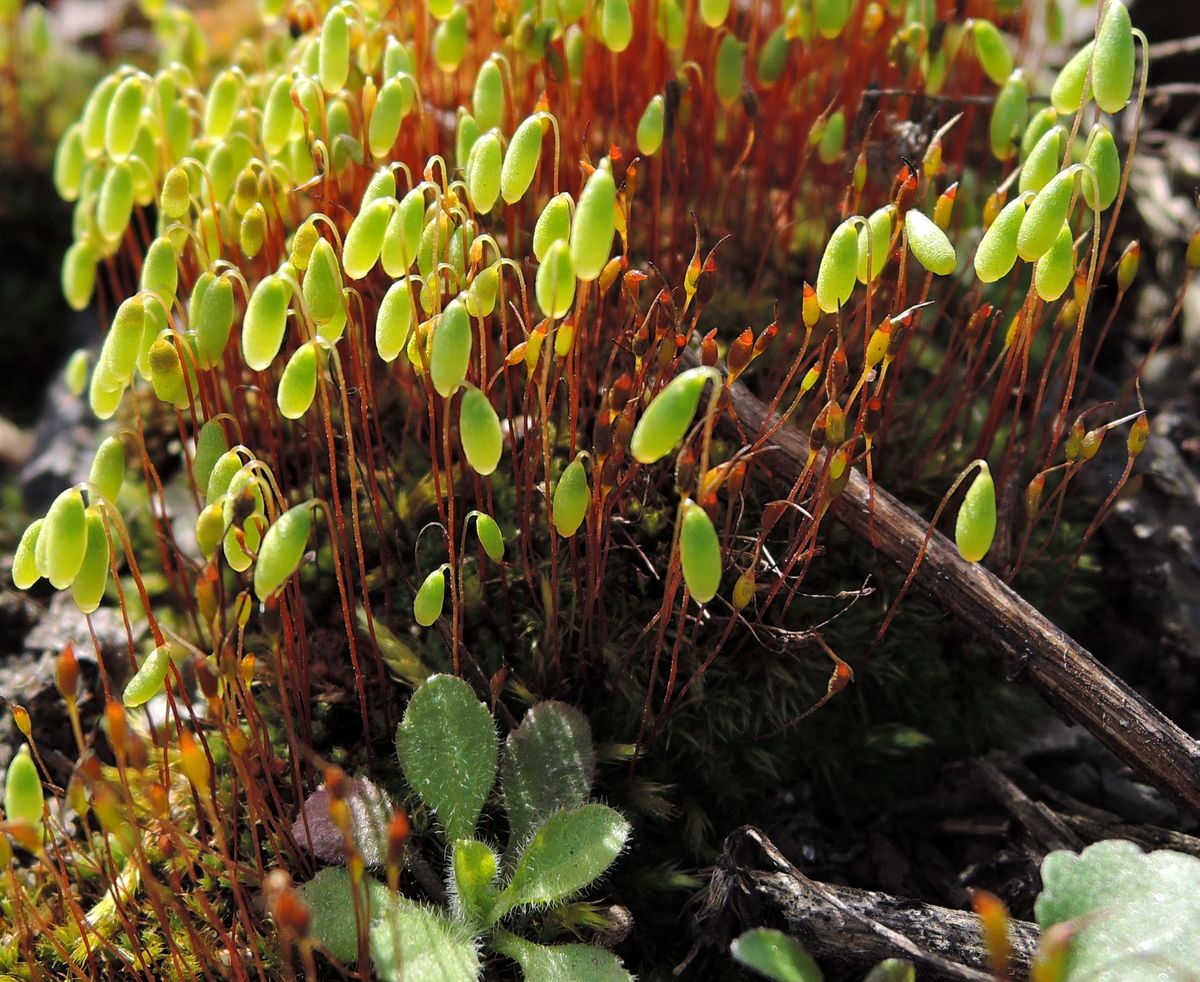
69,161
1101,181
699,552
521,159
484,171
115,204
555,282
24,567
220,476
1043,161
595,224
121,121
62,542
479,429
107,473
487,101
121,345
714,12
1010,114
394,321
279,115
929,244
773,56
282,550
976,524
839,267
1045,216
833,138
221,106
1067,93
79,274
997,251
727,76
403,236
831,16
364,239
1056,269
150,678
553,224
210,446
334,56
214,321
298,383
322,286
160,269
650,127
430,598
490,537
450,354
87,589
571,498
1113,65
994,56
616,25
450,40
668,416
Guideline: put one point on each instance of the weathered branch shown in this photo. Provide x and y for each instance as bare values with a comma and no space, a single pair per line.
753,885
1062,671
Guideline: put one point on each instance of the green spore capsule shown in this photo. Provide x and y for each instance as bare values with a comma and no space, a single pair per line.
79,274
994,56
211,445
616,25
479,429
831,16
481,295
430,598
115,204
521,159
714,12
166,372
839,267
214,321
467,134
121,121
773,56
24,567
282,550
221,475
595,224
650,127
121,345
553,224
727,75
571,498
1067,95
394,321
210,528
87,589
252,233
76,373
303,243
1043,161
872,260
833,139
364,239
668,416
150,678
391,107
450,40
997,252
175,198
490,536
699,552
221,105
488,102
451,352
403,236
160,269
298,383
397,58
108,468
1113,67
1010,114
555,283
1040,124
279,115
976,524
1045,216
23,799
381,185
104,392
1056,269
929,244
63,539
95,114
1104,162
483,172
334,57
333,329
322,285
69,161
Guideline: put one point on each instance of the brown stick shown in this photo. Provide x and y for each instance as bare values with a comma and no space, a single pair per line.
1064,673
753,885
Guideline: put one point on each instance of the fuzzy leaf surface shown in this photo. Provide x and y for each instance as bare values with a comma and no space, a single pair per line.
561,962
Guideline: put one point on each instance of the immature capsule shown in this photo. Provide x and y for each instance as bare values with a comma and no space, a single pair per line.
334,64
668,416
773,56
553,224
479,429
839,267
214,321
1127,266
727,81
1045,216
160,269
282,550
450,354
298,383
108,468
833,139
150,678
394,320
450,40
1067,94
279,115
997,252
115,204
571,498
69,161
210,445
23,800
95,114
1101,186
1056,268
221,105
1010,113
79,274
123,341
87,589
555,283
616,25
221,475
714,12
403,236
430,598
62,542
121,121
831,16
993,51
25,568
322,286
488,102
976,524
210,528
1113,66
490,536
391,107
929,244
480,299
483,172
651,127
595,224
699,552
364,239
1040,124
521,159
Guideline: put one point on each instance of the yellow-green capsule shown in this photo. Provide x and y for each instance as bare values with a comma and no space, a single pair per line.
95,114
465,136
994,56
571,498
1045,216
668,416
334,56
121,120
479,429
490,536
616,25
521,159
364,239
997,252
221,106
108,468
1041,123
727,74
79,274
177,130
221,475
1056,269
553,225
115,204
282,550
175,197
483,172
87,589
24,567
430,598
773,57
831,16
252,231
119,352
391,107
265,321
714,12
214,321
879,228
699,552
1104,166
574,46
450,40
23,798
397,59
160,269
69,161
481,295
76,373
651,127
104,392
402,239
322,286
1113,66
210,528
833,139
279,115
62,542
298,383
488,102
450,354
839,267
166,371
394,320
976,524
555,283
150,678
1043,161
595,224
1067,95
1010,114
211,445
929,244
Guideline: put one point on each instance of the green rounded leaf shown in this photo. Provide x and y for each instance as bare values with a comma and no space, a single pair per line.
775,955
